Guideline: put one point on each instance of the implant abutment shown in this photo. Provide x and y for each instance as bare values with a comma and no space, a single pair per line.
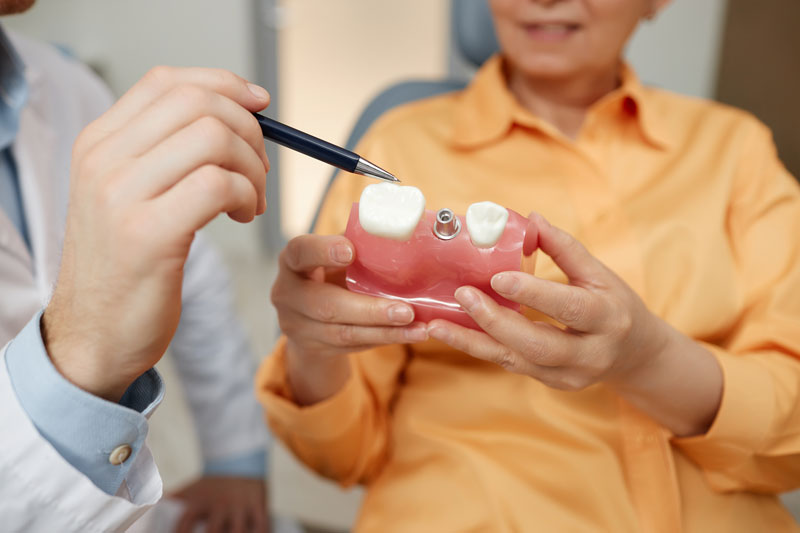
446,226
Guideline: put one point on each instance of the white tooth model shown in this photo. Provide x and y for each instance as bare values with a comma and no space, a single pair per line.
391,211
486,222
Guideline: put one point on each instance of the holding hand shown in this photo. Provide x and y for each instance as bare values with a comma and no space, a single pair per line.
610,337
322,320
178,149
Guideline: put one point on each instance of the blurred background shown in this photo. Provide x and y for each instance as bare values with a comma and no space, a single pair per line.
323,62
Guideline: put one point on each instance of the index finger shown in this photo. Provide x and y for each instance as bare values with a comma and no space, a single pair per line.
161,79
308,252
572,306
568,253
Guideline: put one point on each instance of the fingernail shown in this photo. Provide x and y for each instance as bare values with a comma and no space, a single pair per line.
259,92
400,314
417,333
505,283
467,298
439,333
342,253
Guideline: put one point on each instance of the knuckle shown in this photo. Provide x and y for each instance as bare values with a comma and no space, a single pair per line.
533,349
488,319
327,311
276,295
573,308
214,183
214,132
192,96
253,126
292,253
596,363
506,359
89,166
621,323
221,78
345,335
159,75
83,141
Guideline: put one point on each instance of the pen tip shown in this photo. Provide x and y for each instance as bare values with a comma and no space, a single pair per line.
365,168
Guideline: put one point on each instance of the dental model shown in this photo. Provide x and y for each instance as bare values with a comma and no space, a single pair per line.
404,252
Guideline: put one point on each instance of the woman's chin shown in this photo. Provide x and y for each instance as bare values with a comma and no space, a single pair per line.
546,69
545,66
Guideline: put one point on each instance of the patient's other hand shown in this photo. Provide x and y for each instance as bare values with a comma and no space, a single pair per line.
231,504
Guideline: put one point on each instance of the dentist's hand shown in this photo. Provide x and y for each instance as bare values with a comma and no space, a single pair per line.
177,149
610,336
322,320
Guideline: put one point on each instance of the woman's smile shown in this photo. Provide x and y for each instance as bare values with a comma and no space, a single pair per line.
547,31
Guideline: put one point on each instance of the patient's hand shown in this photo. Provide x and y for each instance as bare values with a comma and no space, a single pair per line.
322,320
610,337
224,504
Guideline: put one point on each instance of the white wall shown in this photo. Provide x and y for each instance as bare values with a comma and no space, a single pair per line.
124,38
679,50
333,58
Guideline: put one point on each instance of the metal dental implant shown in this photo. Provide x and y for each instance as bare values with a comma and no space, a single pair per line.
447,225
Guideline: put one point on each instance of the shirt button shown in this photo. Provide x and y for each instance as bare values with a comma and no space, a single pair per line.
120,454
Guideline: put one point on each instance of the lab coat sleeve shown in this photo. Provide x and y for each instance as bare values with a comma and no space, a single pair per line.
41,489
216,366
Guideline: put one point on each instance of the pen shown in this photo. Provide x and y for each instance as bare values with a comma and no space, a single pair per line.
319,149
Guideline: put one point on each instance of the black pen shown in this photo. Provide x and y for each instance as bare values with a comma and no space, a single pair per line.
319,149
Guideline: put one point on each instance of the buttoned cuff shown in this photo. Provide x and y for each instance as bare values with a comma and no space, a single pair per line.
742,422
250,465
89,432
324,421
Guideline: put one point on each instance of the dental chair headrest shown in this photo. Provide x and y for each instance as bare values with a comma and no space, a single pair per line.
474,30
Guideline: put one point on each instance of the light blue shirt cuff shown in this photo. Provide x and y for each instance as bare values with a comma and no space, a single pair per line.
83,428
250,465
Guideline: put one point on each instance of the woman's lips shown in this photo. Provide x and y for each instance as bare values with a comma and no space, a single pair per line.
551,31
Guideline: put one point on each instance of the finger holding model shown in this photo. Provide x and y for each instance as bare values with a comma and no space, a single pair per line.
181,147
323,321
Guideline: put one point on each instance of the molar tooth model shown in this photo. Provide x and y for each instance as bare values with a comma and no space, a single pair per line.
404,252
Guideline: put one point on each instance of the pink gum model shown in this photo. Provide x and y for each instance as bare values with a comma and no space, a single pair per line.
426,270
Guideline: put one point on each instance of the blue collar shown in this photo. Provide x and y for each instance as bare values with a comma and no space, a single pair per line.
13,90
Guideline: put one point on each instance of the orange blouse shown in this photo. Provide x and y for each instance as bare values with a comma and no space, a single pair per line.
683,198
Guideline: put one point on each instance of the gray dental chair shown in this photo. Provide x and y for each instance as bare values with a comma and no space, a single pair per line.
473,40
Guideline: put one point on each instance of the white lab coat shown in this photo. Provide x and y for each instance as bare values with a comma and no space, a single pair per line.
39,490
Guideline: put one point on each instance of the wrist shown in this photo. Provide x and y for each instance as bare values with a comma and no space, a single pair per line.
678,384
79,359
313,377
648,359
